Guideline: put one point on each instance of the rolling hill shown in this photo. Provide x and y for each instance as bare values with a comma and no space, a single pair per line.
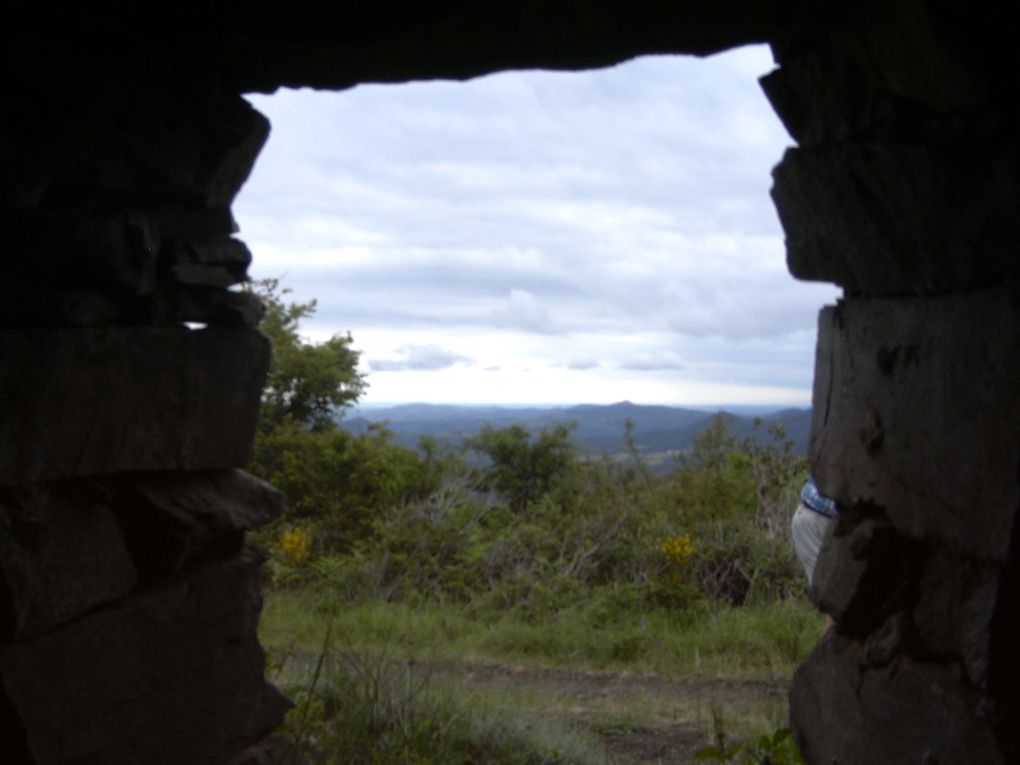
658,430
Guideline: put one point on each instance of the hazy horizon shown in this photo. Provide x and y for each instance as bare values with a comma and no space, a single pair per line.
734,408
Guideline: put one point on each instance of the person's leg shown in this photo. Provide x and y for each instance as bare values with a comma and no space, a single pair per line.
808,530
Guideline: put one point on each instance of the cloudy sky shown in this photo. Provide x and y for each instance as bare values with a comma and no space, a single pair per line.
542,237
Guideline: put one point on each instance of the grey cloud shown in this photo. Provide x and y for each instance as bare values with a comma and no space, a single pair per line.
522,311
420,358
453,148
652,363
628,201
582,364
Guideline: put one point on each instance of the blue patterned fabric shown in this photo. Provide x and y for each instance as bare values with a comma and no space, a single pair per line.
817,501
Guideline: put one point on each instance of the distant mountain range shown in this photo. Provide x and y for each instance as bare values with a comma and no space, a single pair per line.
658,430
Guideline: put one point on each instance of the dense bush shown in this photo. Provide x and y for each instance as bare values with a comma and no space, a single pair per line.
338,484
599,536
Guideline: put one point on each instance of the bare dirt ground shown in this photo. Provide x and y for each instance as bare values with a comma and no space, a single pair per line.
646,719
641,719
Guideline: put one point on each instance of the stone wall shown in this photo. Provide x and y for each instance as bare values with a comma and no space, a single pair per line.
130,370
905,191
130,378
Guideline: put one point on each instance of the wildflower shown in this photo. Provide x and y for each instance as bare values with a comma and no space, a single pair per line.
679,549
295,546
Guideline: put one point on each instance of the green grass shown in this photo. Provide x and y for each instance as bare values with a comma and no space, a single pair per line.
380,682
760,641
354,709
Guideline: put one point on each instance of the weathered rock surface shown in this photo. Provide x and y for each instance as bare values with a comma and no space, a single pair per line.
925,388
903,711
215,307
863,572
91,402
956,603
62,553
911,81
90,690
895,219
173,519
71,546
904,190
132,137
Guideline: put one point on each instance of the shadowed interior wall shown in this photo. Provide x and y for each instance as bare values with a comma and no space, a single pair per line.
128,605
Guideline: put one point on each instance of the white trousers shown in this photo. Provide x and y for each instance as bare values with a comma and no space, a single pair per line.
808,530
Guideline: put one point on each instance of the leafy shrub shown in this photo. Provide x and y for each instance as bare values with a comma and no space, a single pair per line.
521,468
594,536
776,748
739,565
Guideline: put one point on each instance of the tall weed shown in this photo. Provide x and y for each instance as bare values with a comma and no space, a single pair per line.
366,709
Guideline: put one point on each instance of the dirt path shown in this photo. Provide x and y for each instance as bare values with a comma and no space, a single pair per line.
644,718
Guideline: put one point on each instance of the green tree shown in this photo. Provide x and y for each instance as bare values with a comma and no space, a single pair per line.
339,483
728,491
308,383
521,468
779,474
336,483
712,446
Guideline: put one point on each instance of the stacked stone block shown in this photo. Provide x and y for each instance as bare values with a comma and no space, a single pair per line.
905,191
130,376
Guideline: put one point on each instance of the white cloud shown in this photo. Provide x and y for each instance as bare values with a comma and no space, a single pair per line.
617,219
419,358
522,311
582,364
662,360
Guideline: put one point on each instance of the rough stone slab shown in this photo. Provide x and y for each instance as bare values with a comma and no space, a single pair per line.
861,573
215,307
170,141
194,225
218,261
205,275
173,519
84,402
903,712
62,553
32,303
957,599
234,135
168,677
115,250
917,410
895,219
86,308
223,251
892,71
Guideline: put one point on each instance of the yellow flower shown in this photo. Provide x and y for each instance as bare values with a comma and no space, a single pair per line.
679,549
295,546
